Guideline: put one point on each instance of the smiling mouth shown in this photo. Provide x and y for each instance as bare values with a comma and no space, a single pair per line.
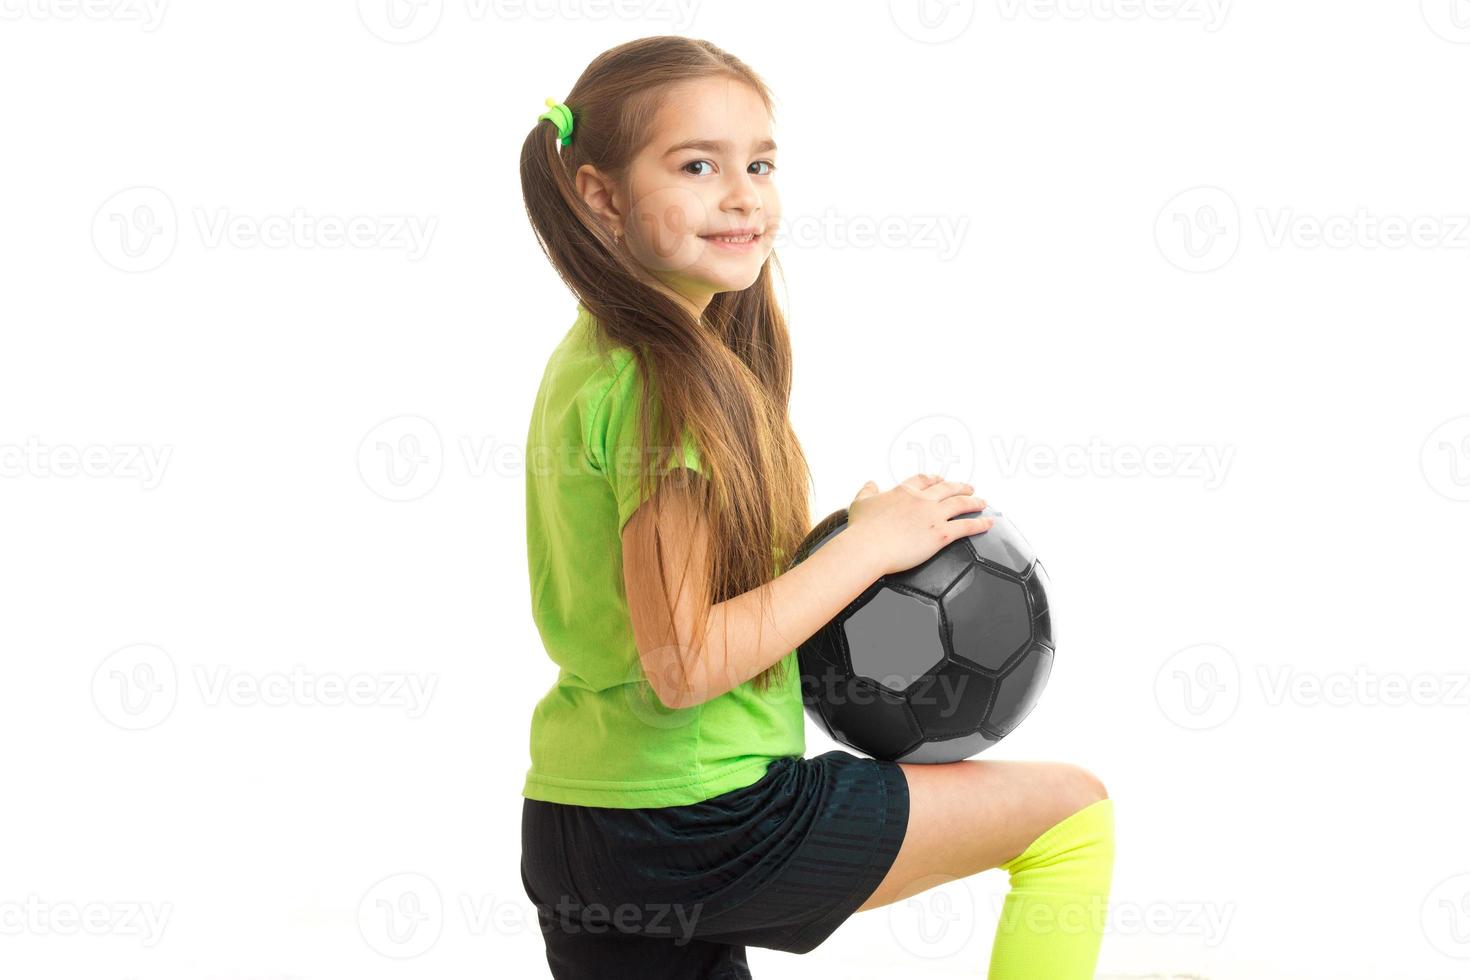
731,239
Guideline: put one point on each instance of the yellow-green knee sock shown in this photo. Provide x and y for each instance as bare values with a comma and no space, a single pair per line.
1051,924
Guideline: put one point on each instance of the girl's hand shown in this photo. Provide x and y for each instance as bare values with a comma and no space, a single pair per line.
905,526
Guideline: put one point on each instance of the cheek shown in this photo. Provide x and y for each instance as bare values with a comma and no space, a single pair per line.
664,225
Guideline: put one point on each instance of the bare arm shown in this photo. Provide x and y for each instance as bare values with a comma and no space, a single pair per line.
748,633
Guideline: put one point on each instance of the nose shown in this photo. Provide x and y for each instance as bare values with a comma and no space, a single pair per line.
742,194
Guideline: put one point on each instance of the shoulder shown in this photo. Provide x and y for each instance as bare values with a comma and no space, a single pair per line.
613,376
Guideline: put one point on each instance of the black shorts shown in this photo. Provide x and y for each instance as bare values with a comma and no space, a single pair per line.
667,893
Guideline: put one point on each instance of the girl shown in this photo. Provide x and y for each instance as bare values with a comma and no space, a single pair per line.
670,818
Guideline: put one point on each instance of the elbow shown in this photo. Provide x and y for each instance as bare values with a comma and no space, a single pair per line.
671,692
672,700
673,696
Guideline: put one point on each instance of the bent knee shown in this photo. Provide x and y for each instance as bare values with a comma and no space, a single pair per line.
1084,788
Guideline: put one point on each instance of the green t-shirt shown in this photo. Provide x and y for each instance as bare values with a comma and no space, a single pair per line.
600,736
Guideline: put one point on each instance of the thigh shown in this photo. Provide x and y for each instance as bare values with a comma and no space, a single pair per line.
966,817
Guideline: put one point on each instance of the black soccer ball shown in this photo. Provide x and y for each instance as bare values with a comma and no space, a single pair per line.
938,662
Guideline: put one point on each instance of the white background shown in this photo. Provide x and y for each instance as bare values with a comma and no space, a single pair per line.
1014,233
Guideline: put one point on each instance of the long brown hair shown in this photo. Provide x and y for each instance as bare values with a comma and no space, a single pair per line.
725,377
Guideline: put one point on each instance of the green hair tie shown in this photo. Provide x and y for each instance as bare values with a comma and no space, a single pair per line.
560,114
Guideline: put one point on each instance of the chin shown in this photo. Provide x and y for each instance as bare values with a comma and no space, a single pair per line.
733,284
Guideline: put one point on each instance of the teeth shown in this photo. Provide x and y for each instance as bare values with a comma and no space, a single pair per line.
729,238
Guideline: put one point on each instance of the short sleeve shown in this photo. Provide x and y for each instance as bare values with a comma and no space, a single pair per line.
612,442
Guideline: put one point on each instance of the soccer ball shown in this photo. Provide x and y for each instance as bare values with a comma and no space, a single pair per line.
938,662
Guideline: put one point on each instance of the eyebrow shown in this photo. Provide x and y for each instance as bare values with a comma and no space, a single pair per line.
717,146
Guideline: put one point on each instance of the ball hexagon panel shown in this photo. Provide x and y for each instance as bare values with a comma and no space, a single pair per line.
894,639
865,714
1020,689
952,700
949,749
989,622
1001,545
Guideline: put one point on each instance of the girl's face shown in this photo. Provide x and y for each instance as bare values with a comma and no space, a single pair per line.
699,208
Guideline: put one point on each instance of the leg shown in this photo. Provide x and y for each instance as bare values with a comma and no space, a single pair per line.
1049,824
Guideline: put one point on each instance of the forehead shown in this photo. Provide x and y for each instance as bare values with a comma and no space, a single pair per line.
719,109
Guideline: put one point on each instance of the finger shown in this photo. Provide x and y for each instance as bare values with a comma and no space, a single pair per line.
947,488
962,504
965,526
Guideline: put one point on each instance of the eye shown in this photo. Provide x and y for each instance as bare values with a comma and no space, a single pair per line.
767,163
694,163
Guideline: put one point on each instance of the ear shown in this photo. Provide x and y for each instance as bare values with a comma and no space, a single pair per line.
600,193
